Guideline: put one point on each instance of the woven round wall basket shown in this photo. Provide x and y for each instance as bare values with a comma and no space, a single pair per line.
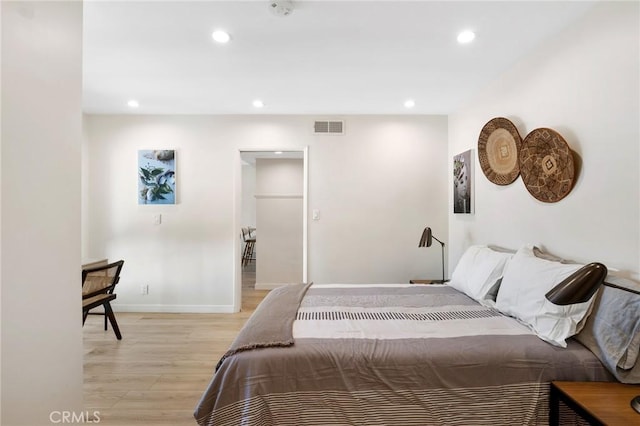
546,165
498,147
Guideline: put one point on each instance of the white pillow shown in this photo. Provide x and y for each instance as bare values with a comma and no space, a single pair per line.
526,280
478,271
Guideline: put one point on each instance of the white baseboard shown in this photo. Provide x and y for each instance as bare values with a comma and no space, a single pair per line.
175,309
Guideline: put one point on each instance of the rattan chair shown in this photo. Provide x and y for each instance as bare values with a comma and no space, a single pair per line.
98,284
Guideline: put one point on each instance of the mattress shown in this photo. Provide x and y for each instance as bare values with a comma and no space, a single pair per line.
384,355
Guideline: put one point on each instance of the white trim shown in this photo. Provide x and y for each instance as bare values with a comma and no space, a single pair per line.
237,246
187,309
305,211
273,196
237,212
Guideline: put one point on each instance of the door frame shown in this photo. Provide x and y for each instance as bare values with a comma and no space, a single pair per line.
237,216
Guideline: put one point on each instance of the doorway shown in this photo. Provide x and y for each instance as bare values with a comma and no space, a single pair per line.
270,199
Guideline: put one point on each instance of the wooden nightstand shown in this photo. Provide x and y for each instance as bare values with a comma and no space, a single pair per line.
427,281
599,403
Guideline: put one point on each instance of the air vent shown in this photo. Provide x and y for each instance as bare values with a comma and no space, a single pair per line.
328,127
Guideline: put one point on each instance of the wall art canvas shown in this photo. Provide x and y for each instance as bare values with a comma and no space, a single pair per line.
156,177
462,183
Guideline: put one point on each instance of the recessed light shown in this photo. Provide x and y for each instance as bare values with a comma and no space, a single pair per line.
258,103
409,103
278,152
466,36
133,103
221,36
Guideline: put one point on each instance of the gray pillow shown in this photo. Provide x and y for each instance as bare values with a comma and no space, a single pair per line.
612,331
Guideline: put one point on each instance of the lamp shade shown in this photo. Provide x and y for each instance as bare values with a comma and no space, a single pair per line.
579,286
426,239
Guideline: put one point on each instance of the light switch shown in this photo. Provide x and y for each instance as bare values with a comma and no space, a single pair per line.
316,214
157,219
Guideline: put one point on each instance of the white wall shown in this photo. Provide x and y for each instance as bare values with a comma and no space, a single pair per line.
376,190
377,186
584,83
279,184
40,275
248,195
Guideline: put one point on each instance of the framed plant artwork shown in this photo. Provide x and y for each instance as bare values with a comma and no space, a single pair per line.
156,177
462,183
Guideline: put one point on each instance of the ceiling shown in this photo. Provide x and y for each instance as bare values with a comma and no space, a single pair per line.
325,58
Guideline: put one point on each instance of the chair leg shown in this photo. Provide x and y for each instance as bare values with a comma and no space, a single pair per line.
112,319
84,316
105,321
245,254
250,256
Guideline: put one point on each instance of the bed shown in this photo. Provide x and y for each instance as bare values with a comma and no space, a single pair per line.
396,354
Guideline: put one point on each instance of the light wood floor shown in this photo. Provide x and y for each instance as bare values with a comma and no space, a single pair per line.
156,374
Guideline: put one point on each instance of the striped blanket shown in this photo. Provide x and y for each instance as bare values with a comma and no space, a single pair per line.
396,312
393,355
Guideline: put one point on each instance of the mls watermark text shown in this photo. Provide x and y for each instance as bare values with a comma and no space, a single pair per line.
74,417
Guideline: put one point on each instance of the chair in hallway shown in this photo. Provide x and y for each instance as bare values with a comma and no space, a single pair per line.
249,244
98,284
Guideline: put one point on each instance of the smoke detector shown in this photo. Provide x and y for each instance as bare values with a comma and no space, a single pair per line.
281,7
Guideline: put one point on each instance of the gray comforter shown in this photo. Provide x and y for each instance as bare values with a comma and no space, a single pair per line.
387,355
